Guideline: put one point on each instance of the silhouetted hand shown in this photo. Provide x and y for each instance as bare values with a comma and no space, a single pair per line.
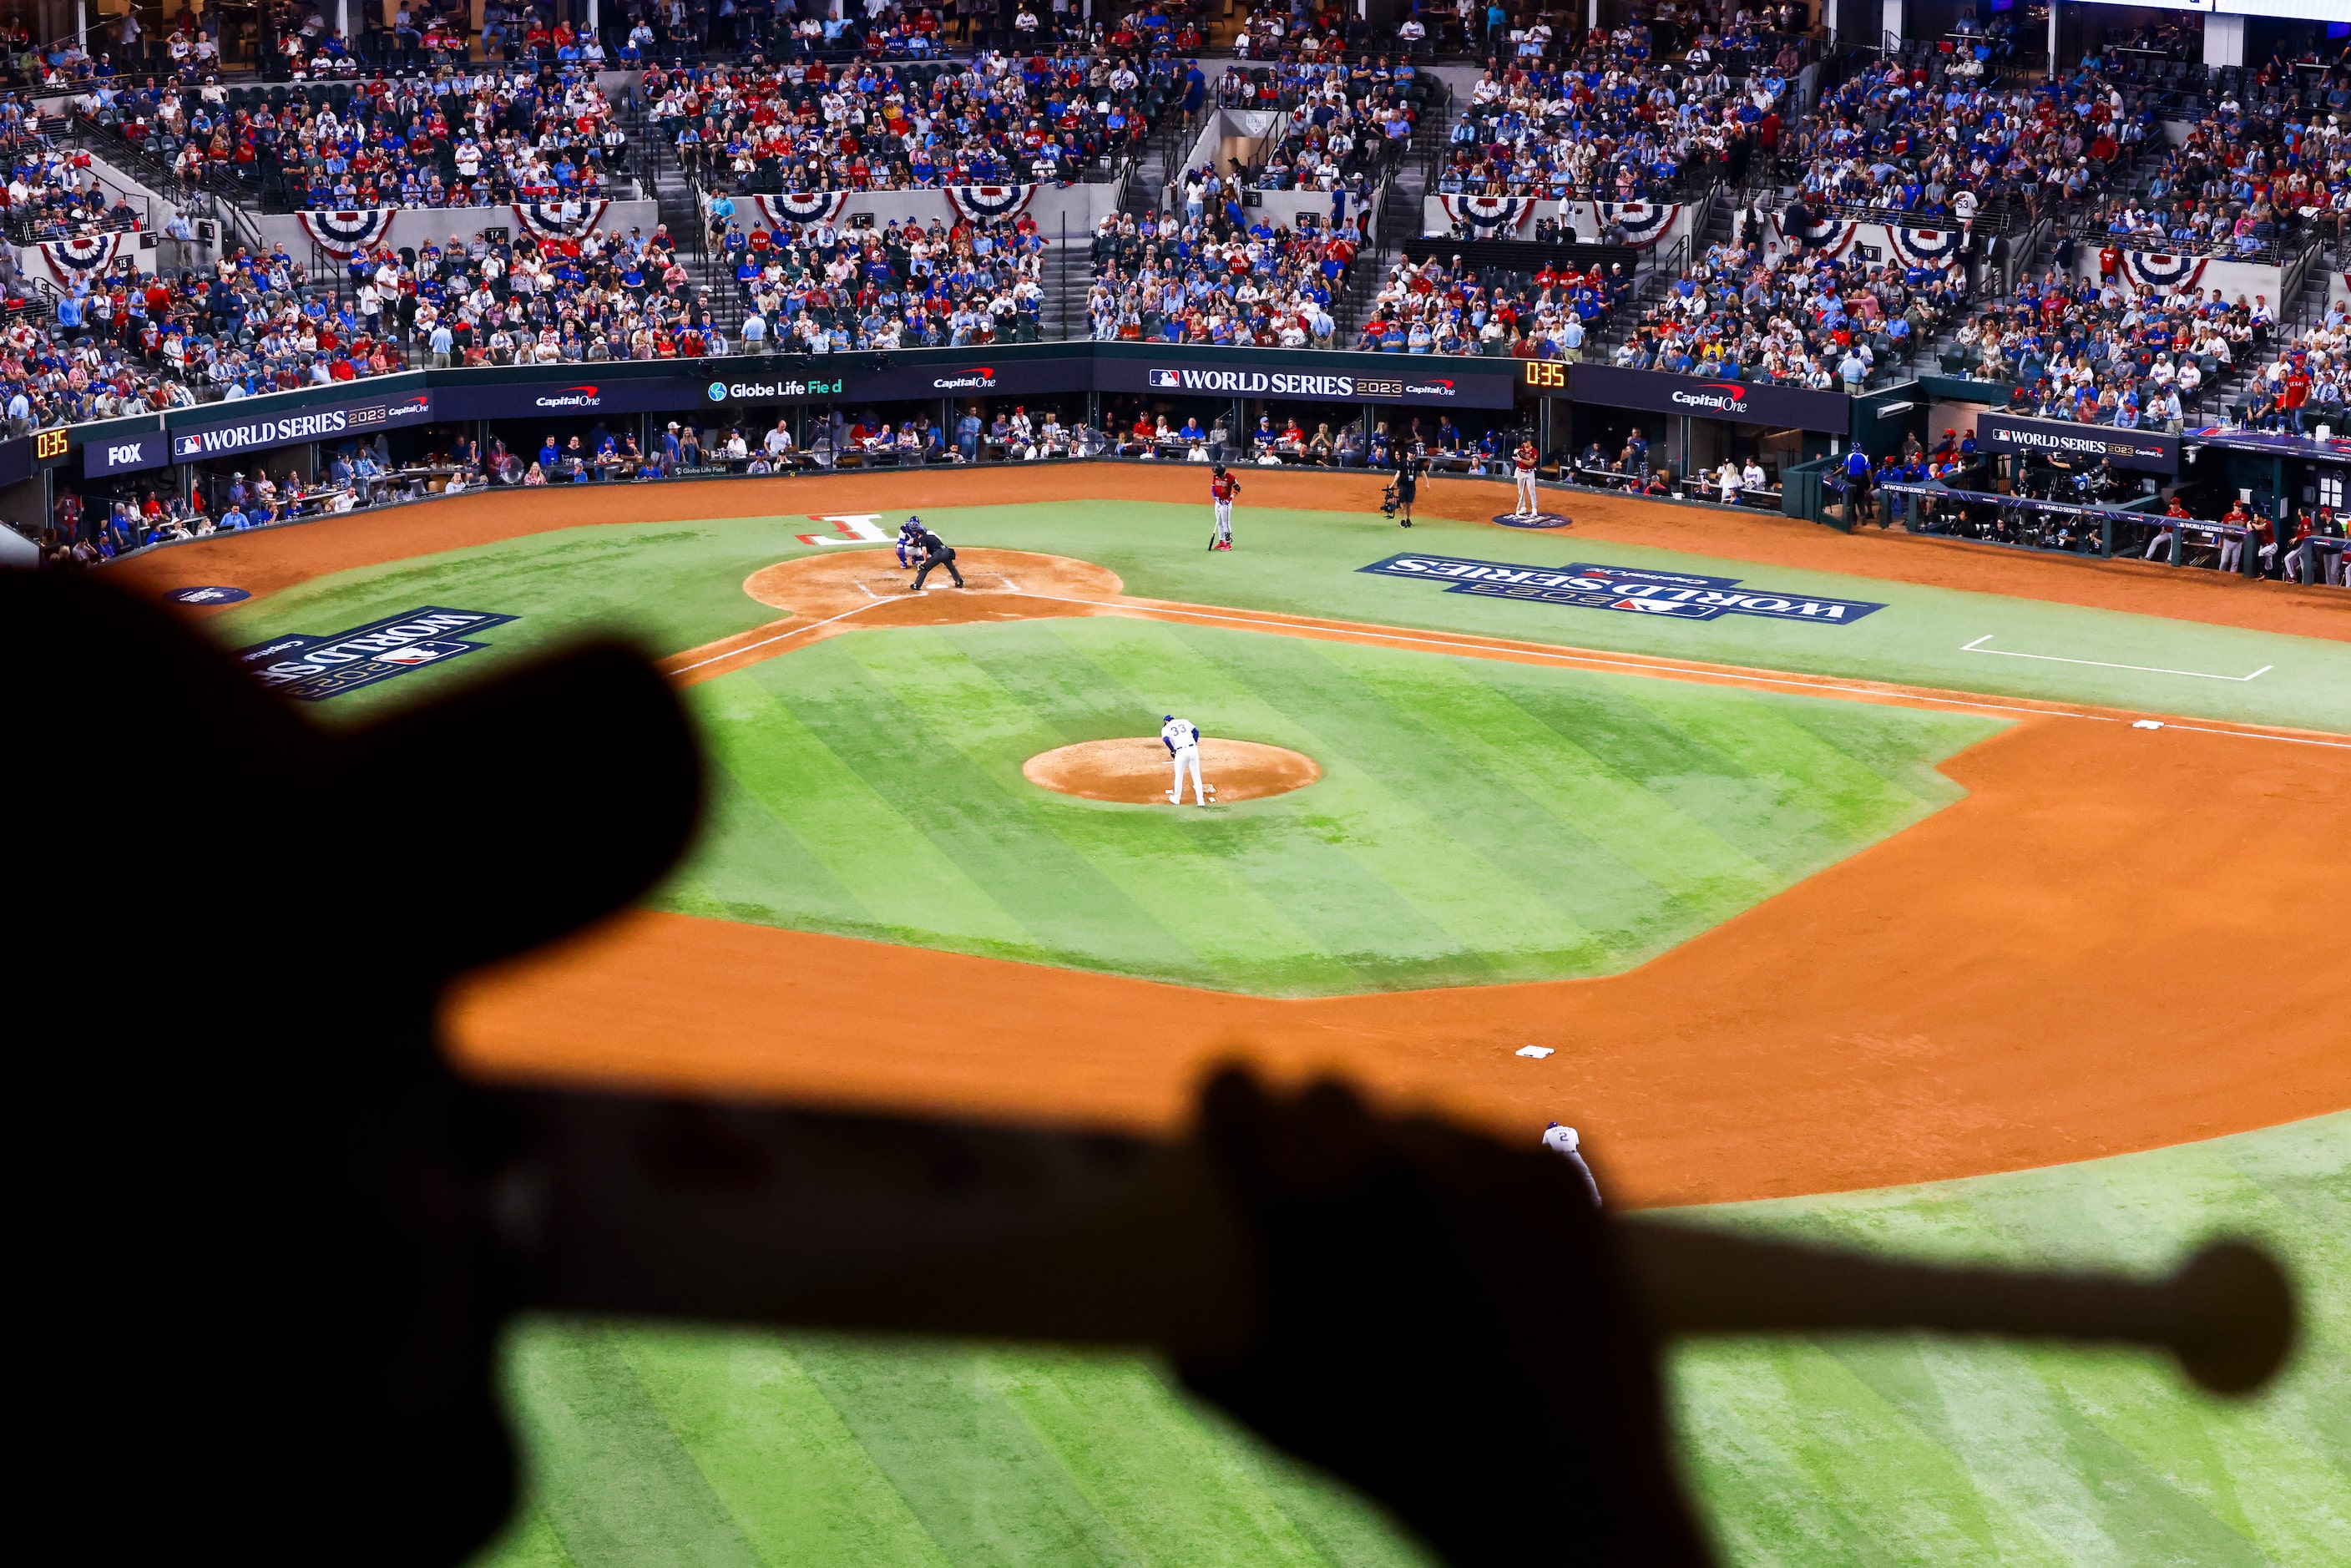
1442,1323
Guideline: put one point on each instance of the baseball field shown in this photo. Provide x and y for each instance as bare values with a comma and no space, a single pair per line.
1952,901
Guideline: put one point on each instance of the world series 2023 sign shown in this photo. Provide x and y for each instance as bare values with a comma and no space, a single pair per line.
1677,596
312,669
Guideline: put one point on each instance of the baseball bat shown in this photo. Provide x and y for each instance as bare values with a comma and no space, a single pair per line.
689,1210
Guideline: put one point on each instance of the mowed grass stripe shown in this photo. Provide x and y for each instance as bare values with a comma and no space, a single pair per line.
1503,733
976,1475
615,1484
862,839
761,856
1192,893
800,1486
1823,794
1181,1498
1062,900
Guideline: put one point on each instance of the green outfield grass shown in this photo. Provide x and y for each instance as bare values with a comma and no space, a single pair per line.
654,1447
679,584
1476,821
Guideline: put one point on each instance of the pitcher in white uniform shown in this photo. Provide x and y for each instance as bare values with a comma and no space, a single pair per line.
1182,738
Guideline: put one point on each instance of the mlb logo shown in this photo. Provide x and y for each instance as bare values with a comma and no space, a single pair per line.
1165,379
419,652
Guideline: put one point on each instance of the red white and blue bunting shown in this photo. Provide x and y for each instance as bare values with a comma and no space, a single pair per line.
1927,247
990,204
1490,216
70,259
1645,222
1833,237
2167,272
796,207
559,219
340,234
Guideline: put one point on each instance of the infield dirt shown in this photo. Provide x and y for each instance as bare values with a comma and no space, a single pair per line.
2120,939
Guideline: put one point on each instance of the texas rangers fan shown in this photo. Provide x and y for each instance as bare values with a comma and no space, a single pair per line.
1525,462
1222,488
1181,736
1562,1140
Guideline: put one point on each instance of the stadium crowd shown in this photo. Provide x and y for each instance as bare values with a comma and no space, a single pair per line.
1799,317
999,119
1214,279
1928,140
459,140
1614,126
1435,306
822,288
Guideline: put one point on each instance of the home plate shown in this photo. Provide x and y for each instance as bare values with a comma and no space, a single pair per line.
973,582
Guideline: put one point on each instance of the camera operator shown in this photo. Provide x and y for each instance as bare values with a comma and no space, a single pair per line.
1399,497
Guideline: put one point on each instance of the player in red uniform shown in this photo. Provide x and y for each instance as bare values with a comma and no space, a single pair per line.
1525,462
1222,488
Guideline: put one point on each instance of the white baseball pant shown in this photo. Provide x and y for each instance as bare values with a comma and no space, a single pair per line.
1188,757
1225,521
1528,506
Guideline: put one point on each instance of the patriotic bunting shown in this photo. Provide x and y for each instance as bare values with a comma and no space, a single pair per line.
796,207
1927,247
340,234
1645,222
2167,272
79,258
559,219
1490,218
1834,235
990,202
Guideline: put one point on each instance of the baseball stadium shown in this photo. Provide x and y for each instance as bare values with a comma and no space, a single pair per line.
1988,921
968,784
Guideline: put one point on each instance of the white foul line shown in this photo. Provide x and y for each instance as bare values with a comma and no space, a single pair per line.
735,653
1978,647
2257,734
1297,628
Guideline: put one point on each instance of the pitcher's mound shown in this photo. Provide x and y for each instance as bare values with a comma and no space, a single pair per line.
1136,771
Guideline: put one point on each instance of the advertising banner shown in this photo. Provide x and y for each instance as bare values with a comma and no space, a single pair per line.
750,380
1417,381
2150,451
582,391
125,454
1741,402
358,419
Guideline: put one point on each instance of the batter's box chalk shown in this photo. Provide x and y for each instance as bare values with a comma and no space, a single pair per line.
2146,723
1537,1051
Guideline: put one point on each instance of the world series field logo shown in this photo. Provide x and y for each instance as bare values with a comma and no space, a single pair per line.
1676,595
312,669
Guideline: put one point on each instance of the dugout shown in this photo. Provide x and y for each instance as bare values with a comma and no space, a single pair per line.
1610,430
524,437
1120,410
